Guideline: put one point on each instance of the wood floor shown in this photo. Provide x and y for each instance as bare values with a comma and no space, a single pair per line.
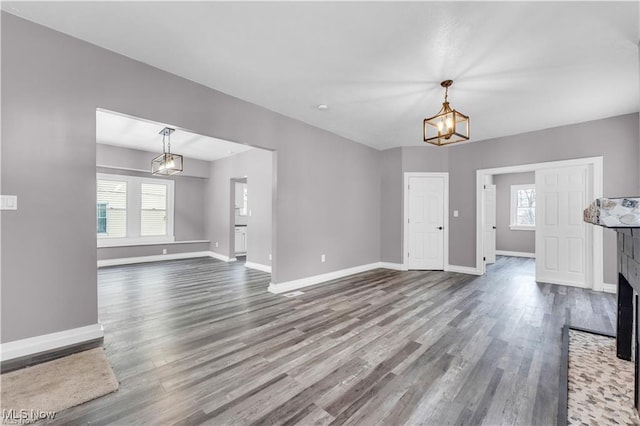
202,342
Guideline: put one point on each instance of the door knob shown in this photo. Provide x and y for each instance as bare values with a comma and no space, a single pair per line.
494,227
440,228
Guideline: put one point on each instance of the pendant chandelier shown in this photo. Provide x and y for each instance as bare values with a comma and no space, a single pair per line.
167,163
448,126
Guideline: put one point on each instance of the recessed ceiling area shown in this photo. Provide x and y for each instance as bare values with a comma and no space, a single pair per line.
121,130
516,66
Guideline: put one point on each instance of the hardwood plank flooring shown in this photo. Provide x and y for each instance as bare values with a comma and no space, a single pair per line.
200,341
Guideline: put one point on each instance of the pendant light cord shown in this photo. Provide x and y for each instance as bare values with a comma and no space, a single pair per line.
166,142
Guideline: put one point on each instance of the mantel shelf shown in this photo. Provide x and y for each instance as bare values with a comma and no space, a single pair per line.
623,212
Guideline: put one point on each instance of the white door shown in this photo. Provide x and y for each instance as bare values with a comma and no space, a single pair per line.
425,223
489,223
562,241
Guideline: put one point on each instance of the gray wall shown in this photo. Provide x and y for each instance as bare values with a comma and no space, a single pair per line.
106,253
506,238
391,193
394,163
425,158
328,186
257,166
616,139
135,159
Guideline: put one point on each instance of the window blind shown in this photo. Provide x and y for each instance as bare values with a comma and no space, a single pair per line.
153,209
112,202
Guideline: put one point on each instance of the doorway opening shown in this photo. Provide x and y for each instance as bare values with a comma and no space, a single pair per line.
142,217
240,204
566,250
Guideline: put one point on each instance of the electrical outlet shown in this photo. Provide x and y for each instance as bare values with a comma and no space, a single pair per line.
216,244
455,213
270,257
164,251
323,258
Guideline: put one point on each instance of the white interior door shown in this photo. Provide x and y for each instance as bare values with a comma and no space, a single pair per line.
425,222
489,223
563,245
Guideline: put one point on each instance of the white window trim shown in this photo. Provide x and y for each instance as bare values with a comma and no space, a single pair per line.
514,205
133,214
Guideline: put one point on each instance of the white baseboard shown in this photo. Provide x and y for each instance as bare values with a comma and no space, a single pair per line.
220,256
161,257
48,342
610,288
515,253
288,286
258,266
155,258
462,269
561,282
394,266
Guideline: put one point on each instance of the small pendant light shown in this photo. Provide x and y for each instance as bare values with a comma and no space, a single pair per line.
167,163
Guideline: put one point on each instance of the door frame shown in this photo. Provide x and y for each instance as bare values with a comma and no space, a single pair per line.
232,217
495,233
405,215
597,248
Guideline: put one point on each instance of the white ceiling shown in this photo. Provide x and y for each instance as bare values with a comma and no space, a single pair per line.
516,66
121,130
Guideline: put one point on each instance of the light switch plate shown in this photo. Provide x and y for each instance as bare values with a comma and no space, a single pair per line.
455,213
8,202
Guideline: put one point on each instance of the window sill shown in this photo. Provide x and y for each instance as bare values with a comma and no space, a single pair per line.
134,243
522,228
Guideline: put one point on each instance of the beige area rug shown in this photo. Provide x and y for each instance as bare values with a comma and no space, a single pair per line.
40,391
600,384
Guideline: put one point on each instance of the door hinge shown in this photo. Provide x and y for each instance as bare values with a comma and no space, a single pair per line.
408,254
484,258
408,186
485,186
408,220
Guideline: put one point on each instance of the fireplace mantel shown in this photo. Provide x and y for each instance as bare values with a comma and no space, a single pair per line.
614,213
623,216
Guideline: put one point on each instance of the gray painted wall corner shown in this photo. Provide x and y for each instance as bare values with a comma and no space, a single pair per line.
49,93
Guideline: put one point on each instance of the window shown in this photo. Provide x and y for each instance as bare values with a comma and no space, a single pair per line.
133,210
112,208
523,207
153,219
101,223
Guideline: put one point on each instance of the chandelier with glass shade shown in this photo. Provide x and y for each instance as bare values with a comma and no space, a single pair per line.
167,163
448,125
